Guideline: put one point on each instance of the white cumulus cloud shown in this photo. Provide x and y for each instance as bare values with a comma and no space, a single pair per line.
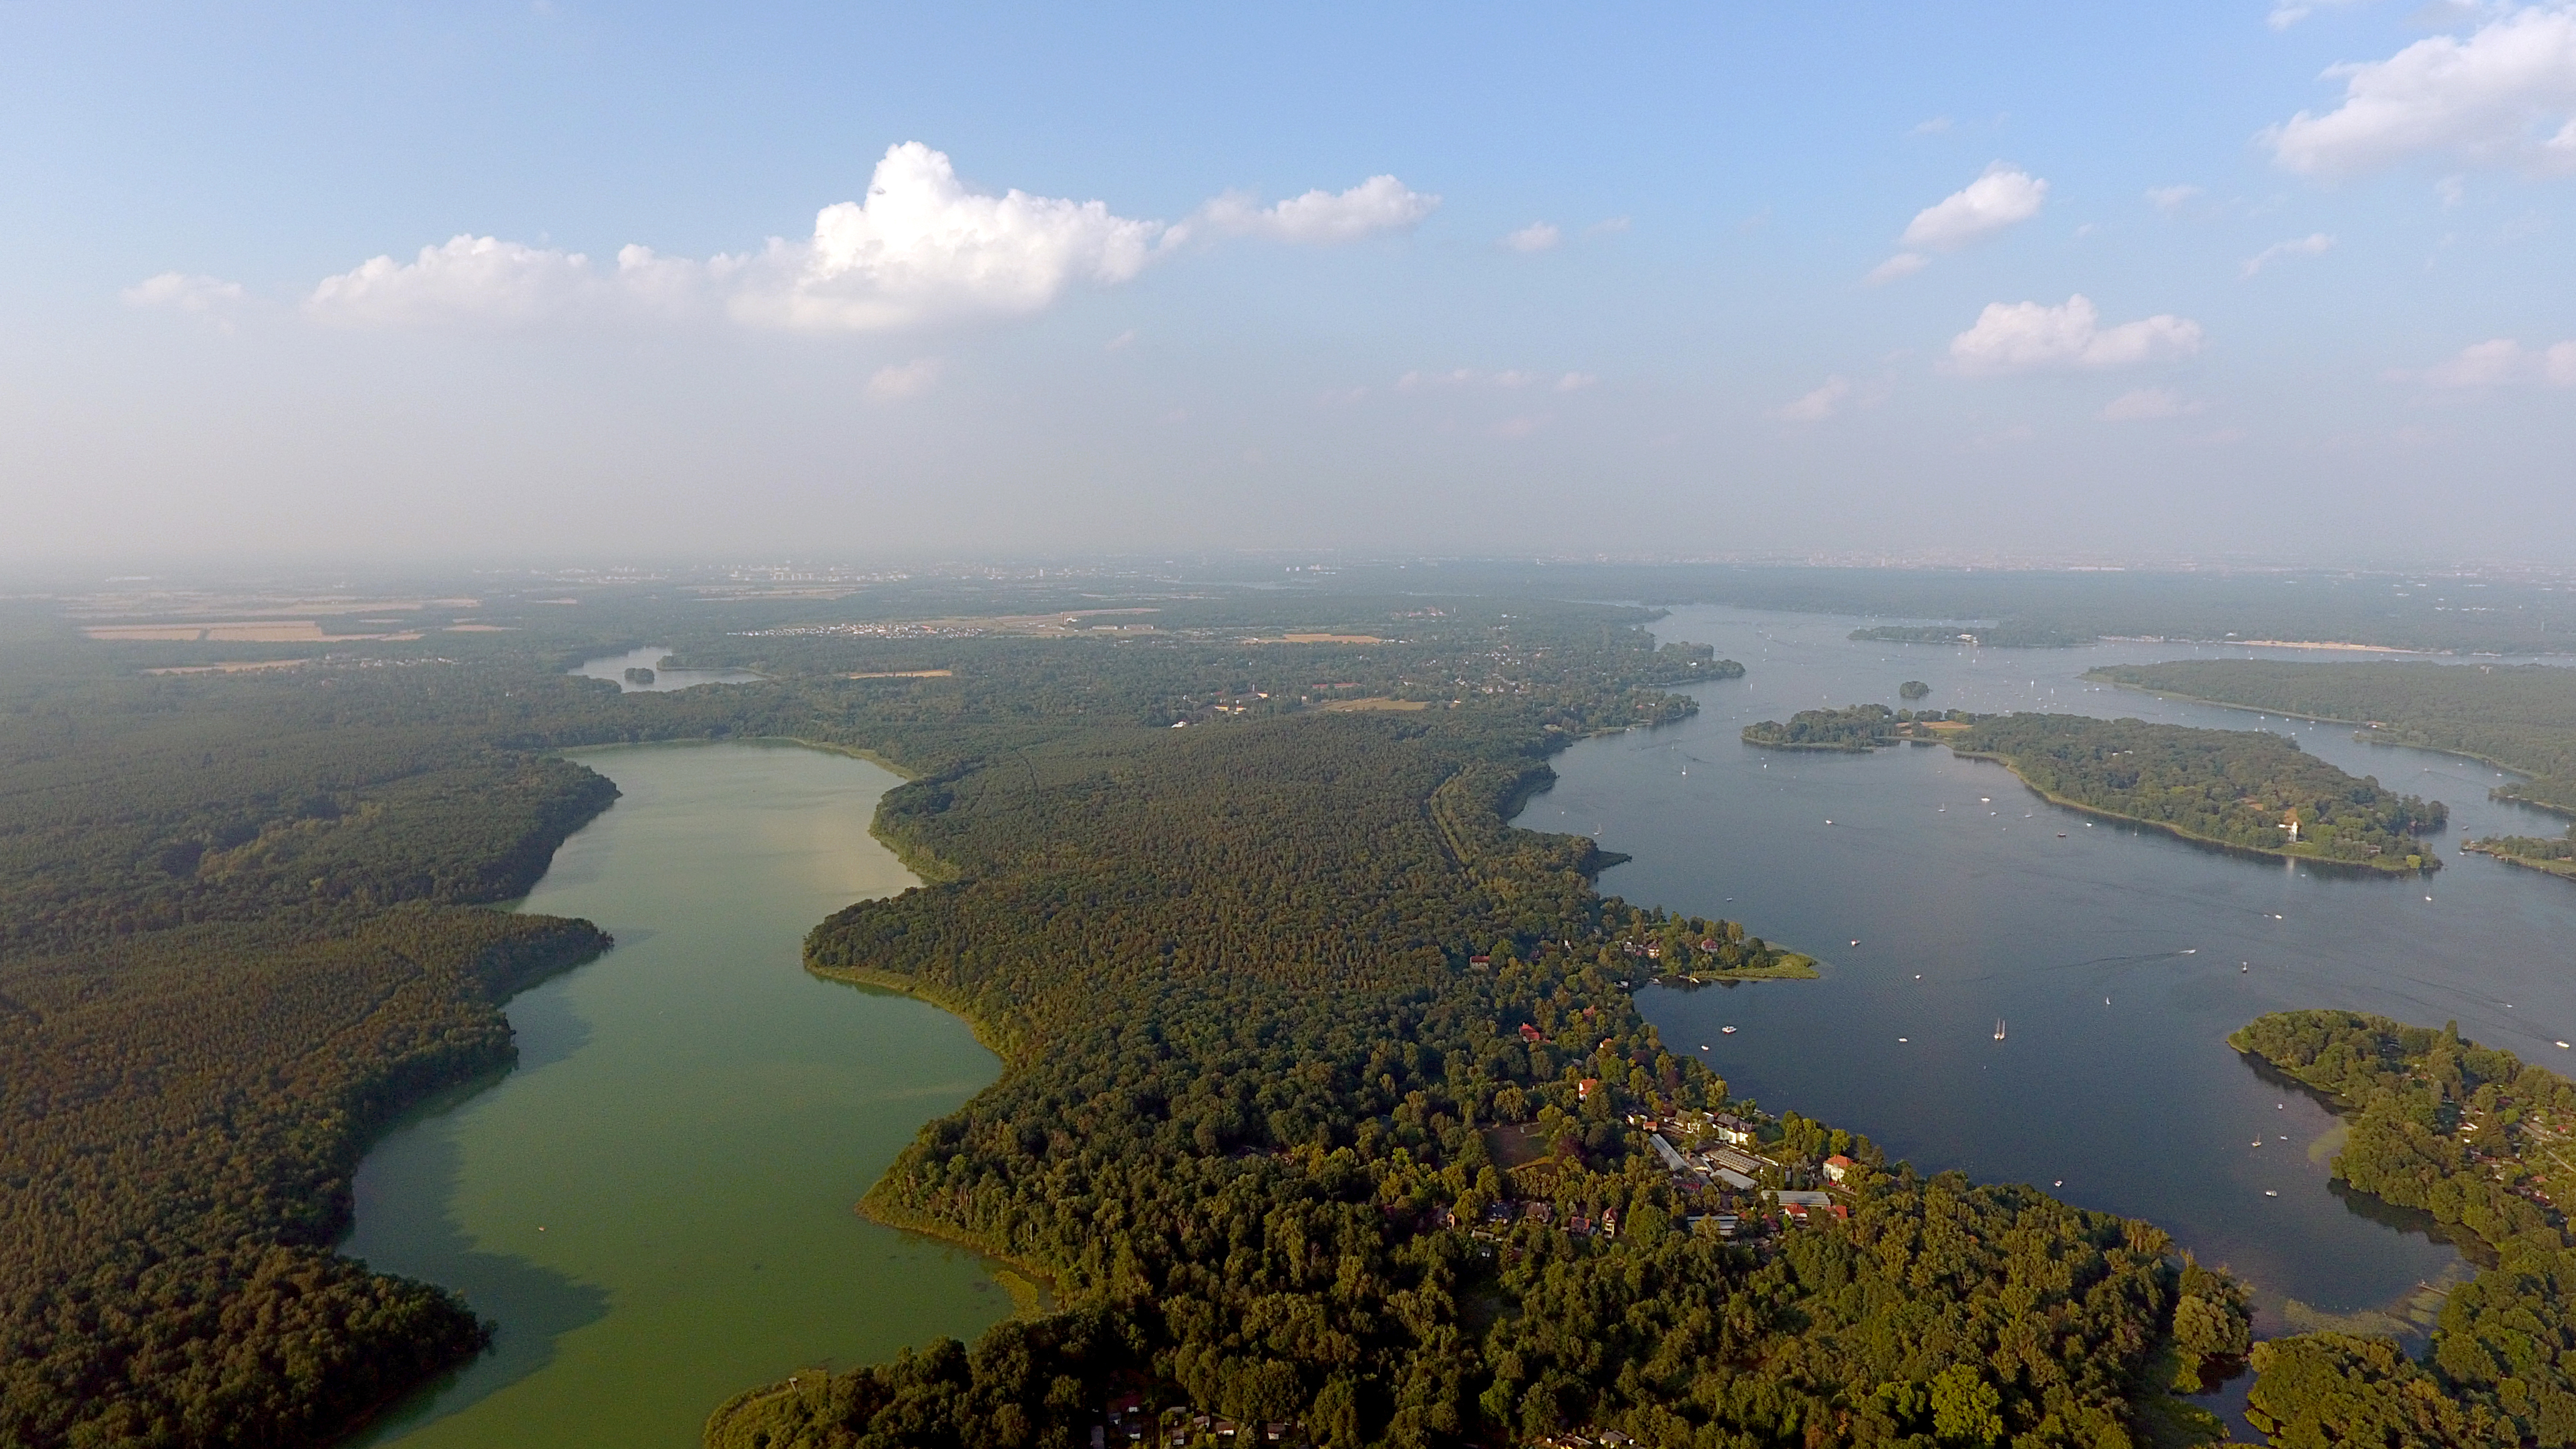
2030,337
1322,218
1538,236
2147,404
924,248
1903,264
2504,96
1816,406
473,280
2504,362
2313,244
2005,196
921,248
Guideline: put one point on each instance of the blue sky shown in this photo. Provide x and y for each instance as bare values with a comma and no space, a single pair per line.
2196,280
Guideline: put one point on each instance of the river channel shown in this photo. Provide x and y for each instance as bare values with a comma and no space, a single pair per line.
655,1203
1945,899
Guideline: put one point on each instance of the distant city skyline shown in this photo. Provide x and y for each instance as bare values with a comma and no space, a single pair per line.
2279,284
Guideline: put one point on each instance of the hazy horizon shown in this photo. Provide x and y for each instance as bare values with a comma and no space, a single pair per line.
2237,284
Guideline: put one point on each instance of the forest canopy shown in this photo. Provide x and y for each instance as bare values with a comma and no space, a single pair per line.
2479,1139
1276,985
1855,729
2247,789
1265,995
2518,717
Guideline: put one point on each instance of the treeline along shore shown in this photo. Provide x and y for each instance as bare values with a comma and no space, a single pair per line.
1327,1108
1327,1102
2486,1144
2242,790
2514,717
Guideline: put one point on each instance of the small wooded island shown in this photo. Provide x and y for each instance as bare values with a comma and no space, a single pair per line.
1856,730
2243,789
2480,1140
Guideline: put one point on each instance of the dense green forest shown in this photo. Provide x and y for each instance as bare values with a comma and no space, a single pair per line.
1855,729
1253,1061
182,1112
2245,789
2520,717
1256,1066
2482,1141
235,939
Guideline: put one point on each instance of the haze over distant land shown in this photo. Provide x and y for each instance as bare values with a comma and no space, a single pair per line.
2216,281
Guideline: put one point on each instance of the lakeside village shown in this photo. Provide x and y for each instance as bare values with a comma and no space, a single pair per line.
1743,1188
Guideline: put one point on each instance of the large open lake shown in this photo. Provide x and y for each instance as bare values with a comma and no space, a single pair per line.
655,1204
1943,897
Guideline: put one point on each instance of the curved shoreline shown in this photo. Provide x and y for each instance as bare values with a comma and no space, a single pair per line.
884,875
2563,869
1794,966
925,864
1031,1287
2364,737
2355,867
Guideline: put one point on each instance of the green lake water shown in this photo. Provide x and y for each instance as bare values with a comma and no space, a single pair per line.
655,1204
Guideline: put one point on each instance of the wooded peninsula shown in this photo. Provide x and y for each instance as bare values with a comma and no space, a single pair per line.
2516,717
2486,1144
2248,790
2244,789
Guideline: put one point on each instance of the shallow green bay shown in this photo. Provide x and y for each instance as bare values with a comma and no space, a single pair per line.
655,1204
